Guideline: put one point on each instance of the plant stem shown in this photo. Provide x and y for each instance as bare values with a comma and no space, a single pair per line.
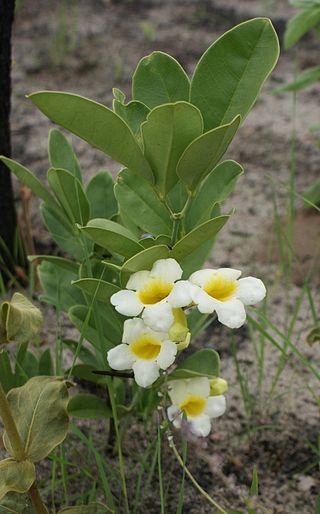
36,500
11,427
193,480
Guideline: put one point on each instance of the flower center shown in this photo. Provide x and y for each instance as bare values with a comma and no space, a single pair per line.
193,405
220,288
146,347
154,291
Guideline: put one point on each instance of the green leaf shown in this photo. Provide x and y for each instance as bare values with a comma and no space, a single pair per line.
61,262
27,178
215,189
159,79
63,233
112,236
149,241
70,194
300,24
204,363
84,354
88,406
199,235
91,508
110,328
99,289
204,153
16,503
20,320
85,372
16,476
303,80
138,200
39,409
61,154
103,203
254,488
96,124
133,113
45,363
7,378
119,95
230,74
169,129
312,194
143,261
57,286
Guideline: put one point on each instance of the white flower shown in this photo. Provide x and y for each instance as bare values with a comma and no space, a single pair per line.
220,290
155,293
191,397
143,350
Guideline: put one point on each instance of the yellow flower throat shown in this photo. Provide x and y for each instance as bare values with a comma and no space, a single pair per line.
154,291
220,288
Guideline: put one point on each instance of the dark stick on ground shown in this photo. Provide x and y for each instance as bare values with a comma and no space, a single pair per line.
7,207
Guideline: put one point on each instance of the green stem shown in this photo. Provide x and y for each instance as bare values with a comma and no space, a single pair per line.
36,500
11,427
120,456
175,231
193,480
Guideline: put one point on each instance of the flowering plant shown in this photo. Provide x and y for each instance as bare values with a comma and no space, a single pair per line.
130,278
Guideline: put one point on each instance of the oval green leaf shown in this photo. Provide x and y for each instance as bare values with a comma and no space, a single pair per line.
61,154
39,409
159,79
138,200
112,236
204,153
16,476
204,363
230,74
100,194
70,194
96,124
168,131
199,235
143,261
88,406
20,320
99,289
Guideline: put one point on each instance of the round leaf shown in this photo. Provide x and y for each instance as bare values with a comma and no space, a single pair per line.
16,476
204,363
20,320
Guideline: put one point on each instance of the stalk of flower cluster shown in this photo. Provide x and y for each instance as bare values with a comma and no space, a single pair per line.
17,447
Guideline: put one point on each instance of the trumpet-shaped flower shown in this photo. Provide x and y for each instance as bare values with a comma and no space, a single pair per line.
143,350
222,291
191,397
154,293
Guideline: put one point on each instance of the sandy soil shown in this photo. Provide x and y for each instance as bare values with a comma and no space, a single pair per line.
109,39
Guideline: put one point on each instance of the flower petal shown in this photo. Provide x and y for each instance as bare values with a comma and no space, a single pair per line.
180,295
167,269
120,357
159,316
250,290
216,406
127,303
205,303
198,386
132,328
200,425
145,372
175,416
138,280
177,391
201,277
231,274
167,354
231,313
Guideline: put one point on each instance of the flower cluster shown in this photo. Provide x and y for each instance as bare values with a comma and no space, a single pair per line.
156,301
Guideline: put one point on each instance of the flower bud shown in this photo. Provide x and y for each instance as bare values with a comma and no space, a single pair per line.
218,386
179,328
